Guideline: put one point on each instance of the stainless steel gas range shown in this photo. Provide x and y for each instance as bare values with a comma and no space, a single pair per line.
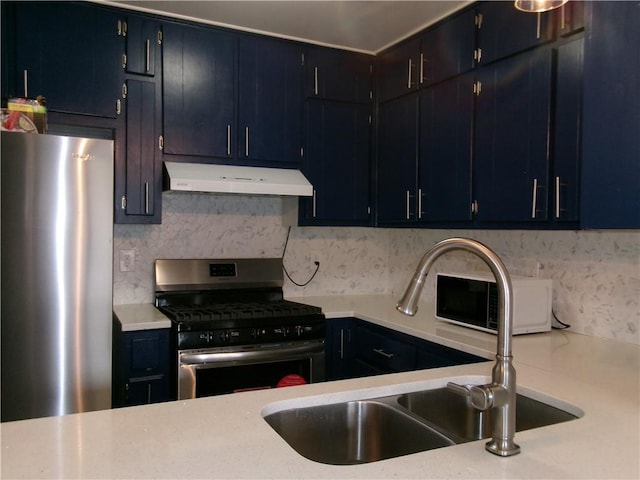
232,330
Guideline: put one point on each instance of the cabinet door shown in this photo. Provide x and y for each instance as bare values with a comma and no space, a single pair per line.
198,96
399,70
397,160
270,102
611,148
446,133
339,355
504,30
448,49
143,391
512,138
567,143
337,154
338,75
141,366
142,177
142,39
383,349
71,54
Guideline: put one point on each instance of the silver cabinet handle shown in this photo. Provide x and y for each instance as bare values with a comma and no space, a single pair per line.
408,204
313,204
539,26
25,79
246,141
147,65
315,80
557,197
420,194
380,351
146,197
228,140
409,74
422,68
341,344
148,393
534,200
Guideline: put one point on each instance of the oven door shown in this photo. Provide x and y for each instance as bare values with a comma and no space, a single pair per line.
216,371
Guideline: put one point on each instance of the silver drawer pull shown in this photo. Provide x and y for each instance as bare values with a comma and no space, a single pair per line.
379,351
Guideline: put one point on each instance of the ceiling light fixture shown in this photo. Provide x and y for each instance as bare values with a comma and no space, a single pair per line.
538,5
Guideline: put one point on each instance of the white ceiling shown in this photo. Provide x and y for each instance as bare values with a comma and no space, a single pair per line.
366,26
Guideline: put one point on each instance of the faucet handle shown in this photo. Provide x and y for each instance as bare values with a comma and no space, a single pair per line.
481,397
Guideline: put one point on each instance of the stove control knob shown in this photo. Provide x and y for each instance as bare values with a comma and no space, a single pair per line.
224,336
299,330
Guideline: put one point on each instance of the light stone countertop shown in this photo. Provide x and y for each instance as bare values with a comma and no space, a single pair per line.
226,437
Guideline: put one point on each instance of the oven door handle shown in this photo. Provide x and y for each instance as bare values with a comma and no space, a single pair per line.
204,357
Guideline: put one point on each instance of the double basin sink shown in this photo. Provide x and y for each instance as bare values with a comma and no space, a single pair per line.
372,429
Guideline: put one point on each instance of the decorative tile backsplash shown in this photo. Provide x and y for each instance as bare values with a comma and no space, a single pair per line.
596,274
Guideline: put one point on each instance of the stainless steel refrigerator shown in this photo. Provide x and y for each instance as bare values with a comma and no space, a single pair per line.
57,269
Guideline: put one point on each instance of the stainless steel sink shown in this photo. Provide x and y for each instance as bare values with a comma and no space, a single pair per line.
354,432
450,412
363,431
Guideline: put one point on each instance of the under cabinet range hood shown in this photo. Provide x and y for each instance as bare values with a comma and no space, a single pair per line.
199,177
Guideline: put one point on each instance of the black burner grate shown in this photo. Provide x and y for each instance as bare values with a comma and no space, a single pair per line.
238,311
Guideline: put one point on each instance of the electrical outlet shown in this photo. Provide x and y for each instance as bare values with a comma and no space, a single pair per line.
127,260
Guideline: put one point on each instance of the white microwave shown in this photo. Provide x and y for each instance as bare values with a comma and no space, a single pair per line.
472,301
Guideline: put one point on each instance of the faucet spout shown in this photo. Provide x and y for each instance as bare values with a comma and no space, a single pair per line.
501,393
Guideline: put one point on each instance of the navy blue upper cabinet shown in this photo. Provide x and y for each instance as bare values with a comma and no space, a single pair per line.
270,101
448,49
397,160
503,30
398,70
570,18
445,146
512,138
338,75
567,143
142,39
199,89
610,196
70,53
336,162
142,170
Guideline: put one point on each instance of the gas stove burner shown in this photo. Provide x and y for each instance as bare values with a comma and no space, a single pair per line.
238,311
241,315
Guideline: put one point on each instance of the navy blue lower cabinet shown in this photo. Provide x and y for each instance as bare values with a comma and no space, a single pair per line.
339,355
141,362
356,348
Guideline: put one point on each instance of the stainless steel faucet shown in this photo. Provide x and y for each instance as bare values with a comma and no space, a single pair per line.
500,395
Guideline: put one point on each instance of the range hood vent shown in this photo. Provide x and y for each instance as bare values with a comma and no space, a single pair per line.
199,177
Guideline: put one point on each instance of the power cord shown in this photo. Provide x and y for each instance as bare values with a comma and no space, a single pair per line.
317,264
561,325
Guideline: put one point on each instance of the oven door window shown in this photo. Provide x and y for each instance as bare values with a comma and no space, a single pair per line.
217,380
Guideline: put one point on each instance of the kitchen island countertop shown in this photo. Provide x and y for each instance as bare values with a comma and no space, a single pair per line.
226,437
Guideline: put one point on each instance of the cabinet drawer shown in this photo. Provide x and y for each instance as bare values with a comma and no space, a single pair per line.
383,352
